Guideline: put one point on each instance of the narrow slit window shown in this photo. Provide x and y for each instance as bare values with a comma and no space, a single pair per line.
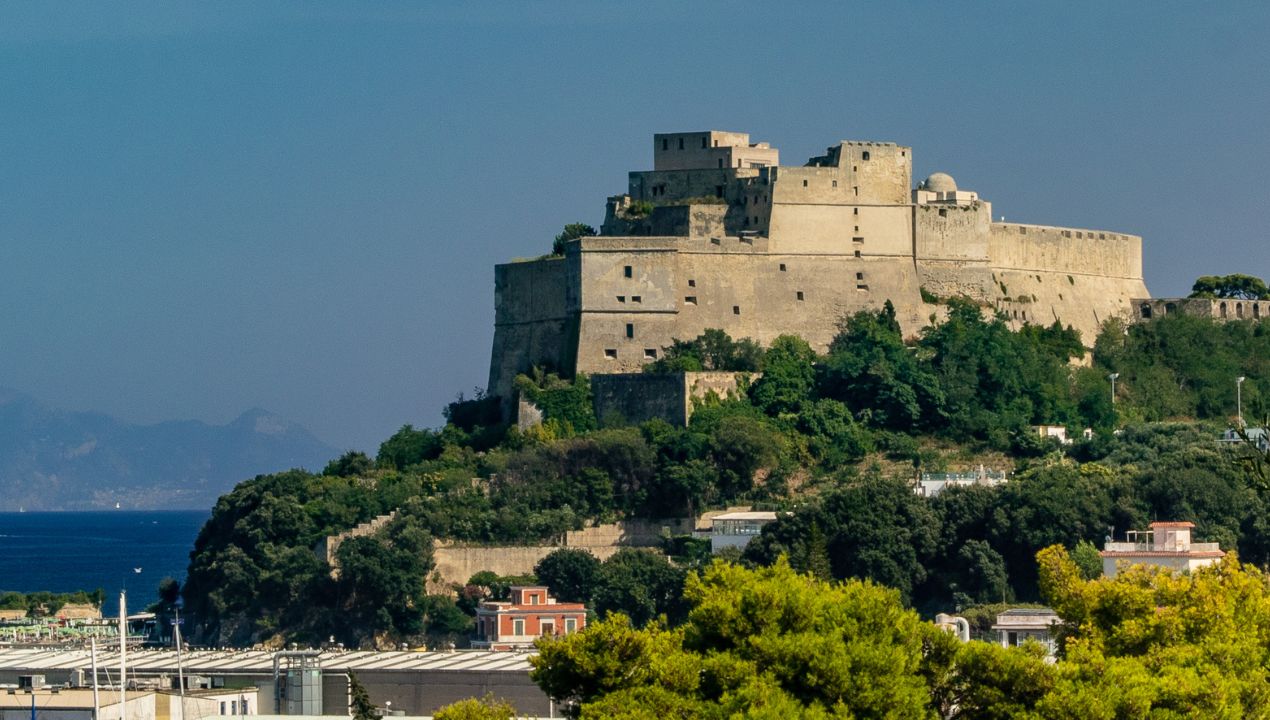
681,143
703,143
665,144
855,211
630,330
804,183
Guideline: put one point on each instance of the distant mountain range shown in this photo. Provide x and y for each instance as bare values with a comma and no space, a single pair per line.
56,460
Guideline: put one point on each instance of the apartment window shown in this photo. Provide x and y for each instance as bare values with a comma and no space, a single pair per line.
610,354
570,625
800,294
690,300
692,283
865,156
681,143
222,708
233,707
650,353
782,267
630,330
736,309
518,625
627,271
637,298
665,144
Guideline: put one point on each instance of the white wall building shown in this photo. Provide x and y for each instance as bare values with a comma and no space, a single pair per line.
1166,544
737,529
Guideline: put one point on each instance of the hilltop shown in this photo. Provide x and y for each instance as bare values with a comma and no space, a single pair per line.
58,460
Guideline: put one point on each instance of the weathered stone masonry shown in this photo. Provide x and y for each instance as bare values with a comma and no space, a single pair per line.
736,241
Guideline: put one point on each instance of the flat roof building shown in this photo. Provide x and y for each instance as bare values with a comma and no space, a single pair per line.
1166,544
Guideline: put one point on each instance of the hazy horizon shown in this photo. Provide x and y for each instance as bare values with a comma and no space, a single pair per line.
298,206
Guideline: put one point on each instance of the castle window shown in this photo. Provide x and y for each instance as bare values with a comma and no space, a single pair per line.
1146,311
903,153
1223,310
681,143
630,330
621,298
651,353
857,228
745,200
703,142
865,156
1239,310
690,300
861,286
857,240
665,144
804,183
857,253
1256,310
782,267
720,163
855,211
943,212
692,283
736,309
835,183
854,168
627,271
859,276
636,298
718,191
1169,308
800,294
856,190
610,353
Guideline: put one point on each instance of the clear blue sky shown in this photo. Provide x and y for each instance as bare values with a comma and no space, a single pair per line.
210,206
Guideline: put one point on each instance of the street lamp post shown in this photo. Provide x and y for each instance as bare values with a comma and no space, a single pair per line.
1112,377
1239,399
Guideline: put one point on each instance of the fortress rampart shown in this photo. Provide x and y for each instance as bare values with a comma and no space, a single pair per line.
736,241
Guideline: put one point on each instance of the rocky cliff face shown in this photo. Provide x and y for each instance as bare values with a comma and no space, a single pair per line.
57,460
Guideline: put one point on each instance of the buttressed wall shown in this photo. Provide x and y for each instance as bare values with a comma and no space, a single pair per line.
736,241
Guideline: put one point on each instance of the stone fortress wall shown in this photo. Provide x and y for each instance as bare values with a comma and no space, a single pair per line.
737,241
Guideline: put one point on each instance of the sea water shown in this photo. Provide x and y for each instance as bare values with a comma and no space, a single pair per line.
110,549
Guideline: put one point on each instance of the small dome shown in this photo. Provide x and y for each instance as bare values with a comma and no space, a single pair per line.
940,182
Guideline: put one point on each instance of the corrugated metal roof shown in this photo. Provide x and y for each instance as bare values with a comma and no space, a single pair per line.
259,662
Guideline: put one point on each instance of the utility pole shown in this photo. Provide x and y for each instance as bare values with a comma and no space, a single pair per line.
1239,399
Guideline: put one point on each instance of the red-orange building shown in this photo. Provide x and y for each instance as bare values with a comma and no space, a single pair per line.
530,614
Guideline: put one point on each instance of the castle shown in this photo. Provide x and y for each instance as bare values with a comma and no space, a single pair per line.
719,234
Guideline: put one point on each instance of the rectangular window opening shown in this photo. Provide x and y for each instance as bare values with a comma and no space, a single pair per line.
630,330
859,276
835,183
858,240
718,191
865,156
627,271
692,283
690,300
943,212
704,142
621,298
650,353
636,298
736,309
800,294
681,143
782,267
518,626
610,353
860,286
857,253
804,183
665,144
855,211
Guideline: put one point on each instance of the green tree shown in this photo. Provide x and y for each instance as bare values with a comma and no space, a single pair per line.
714,349
407,447
756,643
571,573
359,700
572,231
1244,287
640,584
351,464
789,376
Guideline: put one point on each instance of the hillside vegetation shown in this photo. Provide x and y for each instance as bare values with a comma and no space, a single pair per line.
837,438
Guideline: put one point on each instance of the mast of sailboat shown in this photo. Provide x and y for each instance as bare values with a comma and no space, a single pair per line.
96,697
123,651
